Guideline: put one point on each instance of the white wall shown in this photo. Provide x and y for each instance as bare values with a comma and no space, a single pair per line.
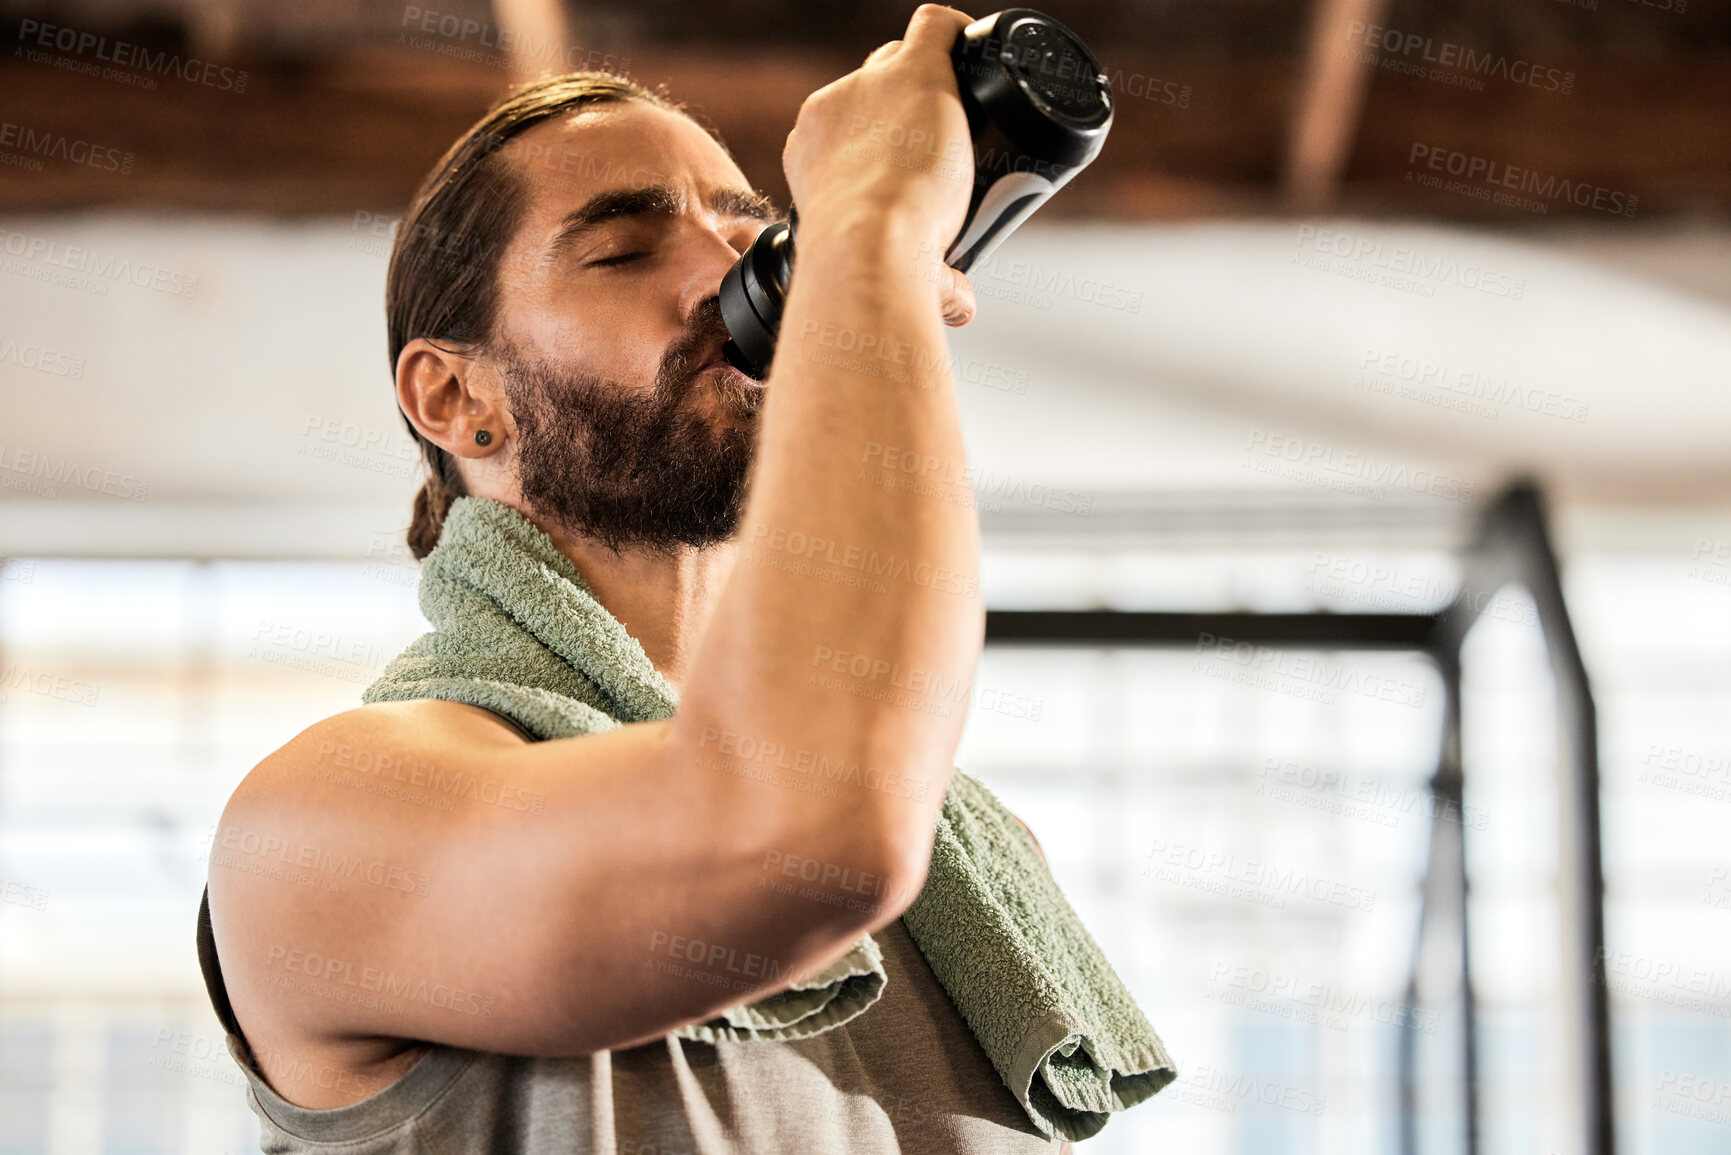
202,367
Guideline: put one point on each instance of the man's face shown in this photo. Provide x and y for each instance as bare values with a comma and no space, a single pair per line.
630,428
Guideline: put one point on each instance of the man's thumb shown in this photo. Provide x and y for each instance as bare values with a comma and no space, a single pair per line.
958,298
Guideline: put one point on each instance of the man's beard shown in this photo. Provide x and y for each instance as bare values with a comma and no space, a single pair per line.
648,472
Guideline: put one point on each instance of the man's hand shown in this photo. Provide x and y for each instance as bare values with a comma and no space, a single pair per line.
889,141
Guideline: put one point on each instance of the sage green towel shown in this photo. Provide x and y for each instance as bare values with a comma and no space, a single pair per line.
516,631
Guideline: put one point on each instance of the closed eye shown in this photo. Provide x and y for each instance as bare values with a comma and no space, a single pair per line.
621,259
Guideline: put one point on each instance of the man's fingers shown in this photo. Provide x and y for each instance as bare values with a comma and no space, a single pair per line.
930,22
958,299
882,52
935,23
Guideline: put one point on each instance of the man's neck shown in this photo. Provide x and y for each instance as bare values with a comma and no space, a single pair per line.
662,600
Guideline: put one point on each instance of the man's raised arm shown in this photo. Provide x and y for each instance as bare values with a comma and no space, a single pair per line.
860,547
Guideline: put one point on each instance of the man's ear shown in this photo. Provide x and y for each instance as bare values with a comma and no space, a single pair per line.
450,396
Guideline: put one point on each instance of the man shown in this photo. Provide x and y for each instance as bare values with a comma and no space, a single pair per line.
557,346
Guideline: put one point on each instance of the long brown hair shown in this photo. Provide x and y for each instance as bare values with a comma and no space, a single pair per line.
443,281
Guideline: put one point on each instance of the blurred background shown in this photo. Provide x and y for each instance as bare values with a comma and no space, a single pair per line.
1346,270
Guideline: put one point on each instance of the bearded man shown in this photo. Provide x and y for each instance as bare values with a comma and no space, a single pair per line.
500,972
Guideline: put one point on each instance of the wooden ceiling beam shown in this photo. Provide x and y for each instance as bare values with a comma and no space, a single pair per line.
1329,101
1196,136
530,28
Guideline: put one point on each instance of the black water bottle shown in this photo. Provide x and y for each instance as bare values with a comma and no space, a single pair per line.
1038,105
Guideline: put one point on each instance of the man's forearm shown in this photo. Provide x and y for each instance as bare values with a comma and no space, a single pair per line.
856,575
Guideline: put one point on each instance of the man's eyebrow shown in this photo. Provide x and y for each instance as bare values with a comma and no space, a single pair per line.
652,200
655,200
741,202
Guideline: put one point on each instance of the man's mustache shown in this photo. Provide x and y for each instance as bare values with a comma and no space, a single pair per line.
705,332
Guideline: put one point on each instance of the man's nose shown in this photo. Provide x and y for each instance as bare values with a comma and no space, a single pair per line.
714,251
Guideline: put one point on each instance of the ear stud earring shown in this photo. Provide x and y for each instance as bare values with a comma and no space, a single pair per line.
483,437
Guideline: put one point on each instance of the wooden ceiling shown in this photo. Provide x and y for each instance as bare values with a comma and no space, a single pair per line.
339,116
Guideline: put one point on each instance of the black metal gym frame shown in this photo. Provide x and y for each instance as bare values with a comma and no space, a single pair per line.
1511,545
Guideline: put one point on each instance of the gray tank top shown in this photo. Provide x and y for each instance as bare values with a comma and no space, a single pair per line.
905,1076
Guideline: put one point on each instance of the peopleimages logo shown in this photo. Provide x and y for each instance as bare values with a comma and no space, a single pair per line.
1359,796
1223,1090
1026,282
343,980
1469,385
60,687
868,563
97,267
1495,175
58,38
18,894
1308,676
41,359
1261,882
920,473
1399,265
1322,1004
55,146
451,35
1461,64
43,475
1371,476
